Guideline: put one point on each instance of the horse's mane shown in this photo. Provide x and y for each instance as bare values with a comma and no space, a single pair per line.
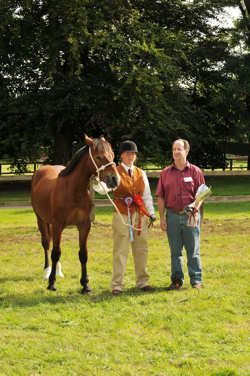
97,142
74,161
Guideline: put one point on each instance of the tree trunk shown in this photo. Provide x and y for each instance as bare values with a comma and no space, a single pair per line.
62,145
247,5
248,161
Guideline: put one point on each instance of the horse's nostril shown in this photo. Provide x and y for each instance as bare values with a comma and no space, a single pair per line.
112,181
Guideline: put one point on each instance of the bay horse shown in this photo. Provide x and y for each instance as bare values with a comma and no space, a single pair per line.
60,197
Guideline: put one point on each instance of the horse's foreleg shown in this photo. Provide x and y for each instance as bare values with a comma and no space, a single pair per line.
55,256
83,255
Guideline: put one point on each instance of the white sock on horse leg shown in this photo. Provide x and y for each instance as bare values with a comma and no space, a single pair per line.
47,272
59,269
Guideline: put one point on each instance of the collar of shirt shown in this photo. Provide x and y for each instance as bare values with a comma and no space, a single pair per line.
127,168
187,166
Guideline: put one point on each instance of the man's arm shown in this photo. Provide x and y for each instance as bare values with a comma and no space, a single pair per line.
161,208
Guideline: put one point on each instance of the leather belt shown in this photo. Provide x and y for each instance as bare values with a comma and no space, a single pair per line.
178,212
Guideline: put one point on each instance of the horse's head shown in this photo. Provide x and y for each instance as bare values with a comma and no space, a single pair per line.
102,157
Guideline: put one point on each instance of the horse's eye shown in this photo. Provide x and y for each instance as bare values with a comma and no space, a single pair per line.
98,158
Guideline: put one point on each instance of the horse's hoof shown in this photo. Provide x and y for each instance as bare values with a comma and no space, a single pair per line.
52,288
86,290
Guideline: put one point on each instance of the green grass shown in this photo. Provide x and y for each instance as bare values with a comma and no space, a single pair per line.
229,185
178,333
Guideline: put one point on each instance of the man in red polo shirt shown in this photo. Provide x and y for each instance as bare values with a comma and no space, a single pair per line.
176,189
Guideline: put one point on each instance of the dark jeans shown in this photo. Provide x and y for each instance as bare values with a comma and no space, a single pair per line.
179,235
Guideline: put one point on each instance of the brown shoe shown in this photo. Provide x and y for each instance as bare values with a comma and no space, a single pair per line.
116,292
174,286
196,285
147,288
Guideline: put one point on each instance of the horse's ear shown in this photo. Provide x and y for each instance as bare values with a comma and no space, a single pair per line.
88,140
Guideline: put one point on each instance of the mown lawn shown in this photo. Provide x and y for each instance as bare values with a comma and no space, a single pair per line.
185,333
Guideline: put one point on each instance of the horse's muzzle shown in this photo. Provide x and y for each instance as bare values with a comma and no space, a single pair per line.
112,181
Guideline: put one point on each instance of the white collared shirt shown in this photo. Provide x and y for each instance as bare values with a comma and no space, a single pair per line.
147,196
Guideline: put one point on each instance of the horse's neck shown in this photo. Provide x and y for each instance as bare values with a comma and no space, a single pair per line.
82,173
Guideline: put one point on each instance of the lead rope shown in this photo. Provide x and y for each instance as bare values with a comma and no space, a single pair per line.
118,211
106,192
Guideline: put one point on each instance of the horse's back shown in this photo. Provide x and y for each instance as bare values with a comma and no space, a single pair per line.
42,186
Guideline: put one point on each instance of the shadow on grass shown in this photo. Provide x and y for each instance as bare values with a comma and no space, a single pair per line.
49,297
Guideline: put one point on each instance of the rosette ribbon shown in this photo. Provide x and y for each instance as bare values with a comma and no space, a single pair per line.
128,201
139,202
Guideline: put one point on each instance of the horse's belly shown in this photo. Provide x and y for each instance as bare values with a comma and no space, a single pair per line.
43,184
54,201
40,199
74,213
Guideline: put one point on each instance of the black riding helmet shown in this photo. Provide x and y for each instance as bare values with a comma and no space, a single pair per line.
128,146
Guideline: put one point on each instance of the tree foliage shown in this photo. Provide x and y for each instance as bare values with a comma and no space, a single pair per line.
147,70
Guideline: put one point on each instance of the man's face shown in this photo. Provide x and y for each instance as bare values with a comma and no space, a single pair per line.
128,158
179,153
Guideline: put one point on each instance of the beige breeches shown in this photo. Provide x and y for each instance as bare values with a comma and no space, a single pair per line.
121,246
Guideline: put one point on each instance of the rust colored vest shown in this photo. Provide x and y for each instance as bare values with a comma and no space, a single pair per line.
128,187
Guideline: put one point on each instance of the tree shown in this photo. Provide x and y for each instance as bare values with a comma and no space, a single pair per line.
237,88
127,69
80,66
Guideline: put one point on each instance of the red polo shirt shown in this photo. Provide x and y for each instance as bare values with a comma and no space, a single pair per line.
178,188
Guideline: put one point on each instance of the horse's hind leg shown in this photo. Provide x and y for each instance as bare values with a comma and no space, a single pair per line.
45,231
55,256
83,255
